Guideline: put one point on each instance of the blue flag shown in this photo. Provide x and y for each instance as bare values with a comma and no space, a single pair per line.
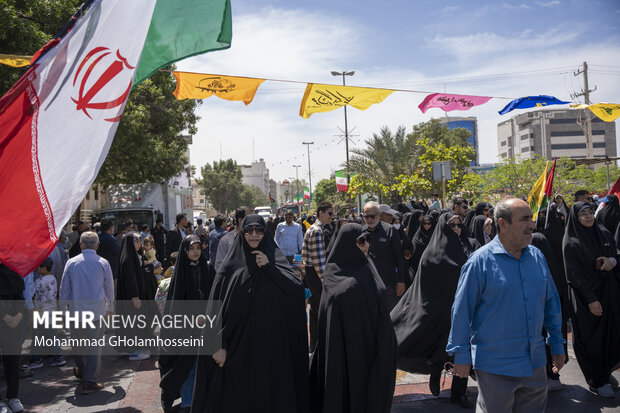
530,102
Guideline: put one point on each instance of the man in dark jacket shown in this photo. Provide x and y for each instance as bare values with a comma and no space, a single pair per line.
386,253
108,247
176,235
159,236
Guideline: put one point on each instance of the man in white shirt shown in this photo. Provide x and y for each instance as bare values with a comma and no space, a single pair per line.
289,236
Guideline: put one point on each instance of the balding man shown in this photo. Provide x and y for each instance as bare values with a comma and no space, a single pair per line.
87,285
504,298
386,253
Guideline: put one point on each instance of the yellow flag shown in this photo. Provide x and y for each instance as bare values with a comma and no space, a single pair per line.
201,86
605,111
537,193
325,98
14,60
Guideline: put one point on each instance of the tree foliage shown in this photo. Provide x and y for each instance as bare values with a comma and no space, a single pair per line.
515,177
252,196
398,166
221,184
27,25
149,145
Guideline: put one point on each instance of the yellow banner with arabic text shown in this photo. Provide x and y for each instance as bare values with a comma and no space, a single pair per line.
202,86
325,98
14,60
605,111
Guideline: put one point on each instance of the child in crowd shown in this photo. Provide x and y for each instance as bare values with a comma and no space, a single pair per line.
164,284
45,290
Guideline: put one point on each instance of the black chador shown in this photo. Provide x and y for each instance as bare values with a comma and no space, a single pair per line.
609,215
263,331
420,241
354,365
191,281
422,318
596,339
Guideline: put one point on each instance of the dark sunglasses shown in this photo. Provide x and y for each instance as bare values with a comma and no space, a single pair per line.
464,206
363,240
370,216
427,224
455,225
257,229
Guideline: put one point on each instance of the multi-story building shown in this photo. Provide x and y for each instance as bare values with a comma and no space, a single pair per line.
469,123
554,133
256,174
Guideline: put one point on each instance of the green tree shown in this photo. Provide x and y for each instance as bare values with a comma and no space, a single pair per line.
27,25
252,196
515,177
398,166
149,145
221,184
325,190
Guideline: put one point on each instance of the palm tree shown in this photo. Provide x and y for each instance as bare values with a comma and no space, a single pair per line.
385,157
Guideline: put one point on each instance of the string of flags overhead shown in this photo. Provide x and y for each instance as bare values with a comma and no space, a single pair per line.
320,98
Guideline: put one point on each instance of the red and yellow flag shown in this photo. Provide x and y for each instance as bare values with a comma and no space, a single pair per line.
541,192
14,60
202,86
325,98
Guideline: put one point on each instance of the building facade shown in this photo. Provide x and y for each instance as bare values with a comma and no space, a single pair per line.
554,133
256,174
469,123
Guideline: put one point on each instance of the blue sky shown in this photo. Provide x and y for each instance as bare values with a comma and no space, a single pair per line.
507,49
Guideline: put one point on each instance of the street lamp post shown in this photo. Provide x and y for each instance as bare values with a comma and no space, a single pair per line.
346,129
309,172
297,177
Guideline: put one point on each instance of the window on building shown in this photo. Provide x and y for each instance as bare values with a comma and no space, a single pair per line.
503,155
88,195
525,125
96,192
568,146
525,149
524,137
503,143
532,147
202,201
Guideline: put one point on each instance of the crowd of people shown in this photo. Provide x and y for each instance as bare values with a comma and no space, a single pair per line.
477,290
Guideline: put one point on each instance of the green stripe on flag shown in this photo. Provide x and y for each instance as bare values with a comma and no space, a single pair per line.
181,29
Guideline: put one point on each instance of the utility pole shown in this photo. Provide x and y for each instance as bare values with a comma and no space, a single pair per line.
309,172
585,92
346,129
297,177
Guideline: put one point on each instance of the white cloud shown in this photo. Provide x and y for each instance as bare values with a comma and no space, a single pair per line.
515,7
472,47
449,9
548,3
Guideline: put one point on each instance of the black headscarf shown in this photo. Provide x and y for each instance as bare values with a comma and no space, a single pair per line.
596,340
467,221
191,281
609,215
414,222
422,317
354,364
263,329
130,281
420,241
478,229
435,214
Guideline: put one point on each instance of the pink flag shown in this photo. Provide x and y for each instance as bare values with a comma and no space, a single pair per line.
448,102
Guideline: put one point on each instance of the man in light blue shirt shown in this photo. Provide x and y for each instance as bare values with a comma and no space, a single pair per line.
289,236
87,285
435,204
504,298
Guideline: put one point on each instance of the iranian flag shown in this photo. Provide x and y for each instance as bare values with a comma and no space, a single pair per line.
58,121
306,193
341,181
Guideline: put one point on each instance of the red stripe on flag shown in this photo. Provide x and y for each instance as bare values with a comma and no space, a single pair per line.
28,234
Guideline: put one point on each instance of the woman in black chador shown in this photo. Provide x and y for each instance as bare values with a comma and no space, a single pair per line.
262,363
354,365
191,280
594,291
609,215
422,317
135,286
420,241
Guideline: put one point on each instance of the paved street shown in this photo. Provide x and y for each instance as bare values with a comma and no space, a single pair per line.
133,387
